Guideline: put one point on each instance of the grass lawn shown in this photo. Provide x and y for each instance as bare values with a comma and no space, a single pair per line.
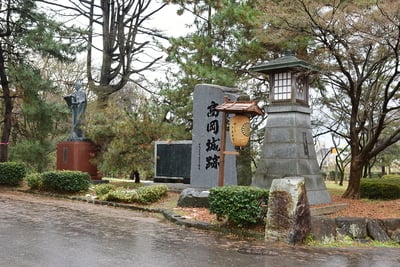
334,189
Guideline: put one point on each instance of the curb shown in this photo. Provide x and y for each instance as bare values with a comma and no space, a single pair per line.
167,214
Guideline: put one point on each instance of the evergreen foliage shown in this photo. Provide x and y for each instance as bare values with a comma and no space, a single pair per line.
218,50
125,133
65,181
103,189
26,33
12,173
36,129
241,205
35,181
150,194
380,188
142,195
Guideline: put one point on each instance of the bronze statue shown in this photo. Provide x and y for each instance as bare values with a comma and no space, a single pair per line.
77,103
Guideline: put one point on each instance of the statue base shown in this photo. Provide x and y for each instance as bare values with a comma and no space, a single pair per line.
77,156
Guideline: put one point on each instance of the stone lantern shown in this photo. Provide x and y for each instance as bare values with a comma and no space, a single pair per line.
288,144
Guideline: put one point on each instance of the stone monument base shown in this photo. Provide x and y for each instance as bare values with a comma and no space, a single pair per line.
77,156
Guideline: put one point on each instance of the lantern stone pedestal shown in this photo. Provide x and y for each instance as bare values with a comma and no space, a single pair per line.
77,156
289,151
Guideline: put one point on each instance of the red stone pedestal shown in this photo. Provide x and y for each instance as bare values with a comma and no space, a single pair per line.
77,156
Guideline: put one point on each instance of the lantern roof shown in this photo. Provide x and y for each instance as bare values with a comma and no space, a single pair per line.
288,61
242,107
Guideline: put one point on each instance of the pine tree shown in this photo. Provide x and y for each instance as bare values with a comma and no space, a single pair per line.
219,50
26,31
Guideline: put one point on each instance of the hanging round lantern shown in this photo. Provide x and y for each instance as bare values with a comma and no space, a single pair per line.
240,130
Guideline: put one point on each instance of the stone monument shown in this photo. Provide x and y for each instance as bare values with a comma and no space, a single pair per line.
77,152
206,137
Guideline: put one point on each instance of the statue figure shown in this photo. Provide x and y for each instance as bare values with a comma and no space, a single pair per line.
77,103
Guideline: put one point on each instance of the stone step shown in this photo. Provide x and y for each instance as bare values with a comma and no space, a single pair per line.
324,210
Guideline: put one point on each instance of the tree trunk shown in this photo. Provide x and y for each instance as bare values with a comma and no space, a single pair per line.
135,176
356,171
5,136
341,177
383,170
102,100
364,172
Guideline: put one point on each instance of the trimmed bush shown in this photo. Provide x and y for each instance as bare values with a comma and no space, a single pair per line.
241,205
66,181
391,178
12,173
103,189
149,194
379,189
144,195
121,195
35,180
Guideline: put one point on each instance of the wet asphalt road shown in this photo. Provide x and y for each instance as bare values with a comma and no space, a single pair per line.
39,231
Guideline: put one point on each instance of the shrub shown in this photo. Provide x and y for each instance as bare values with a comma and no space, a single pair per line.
241,205
144,195
379,189
391,178
103,189
121,195
12,173
35,181
66,181
149,194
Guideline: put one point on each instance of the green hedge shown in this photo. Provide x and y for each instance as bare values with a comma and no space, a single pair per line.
241,205
65,181
381,188
12,173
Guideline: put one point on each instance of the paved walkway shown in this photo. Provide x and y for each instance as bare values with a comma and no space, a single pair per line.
42,231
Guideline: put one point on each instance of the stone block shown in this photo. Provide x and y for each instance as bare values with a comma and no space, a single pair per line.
323,228
356,228
376,232
392,226
288,217
193,197
281,150
280,135
280,120
396,236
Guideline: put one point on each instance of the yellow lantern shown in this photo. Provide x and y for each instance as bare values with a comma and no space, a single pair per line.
240,130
